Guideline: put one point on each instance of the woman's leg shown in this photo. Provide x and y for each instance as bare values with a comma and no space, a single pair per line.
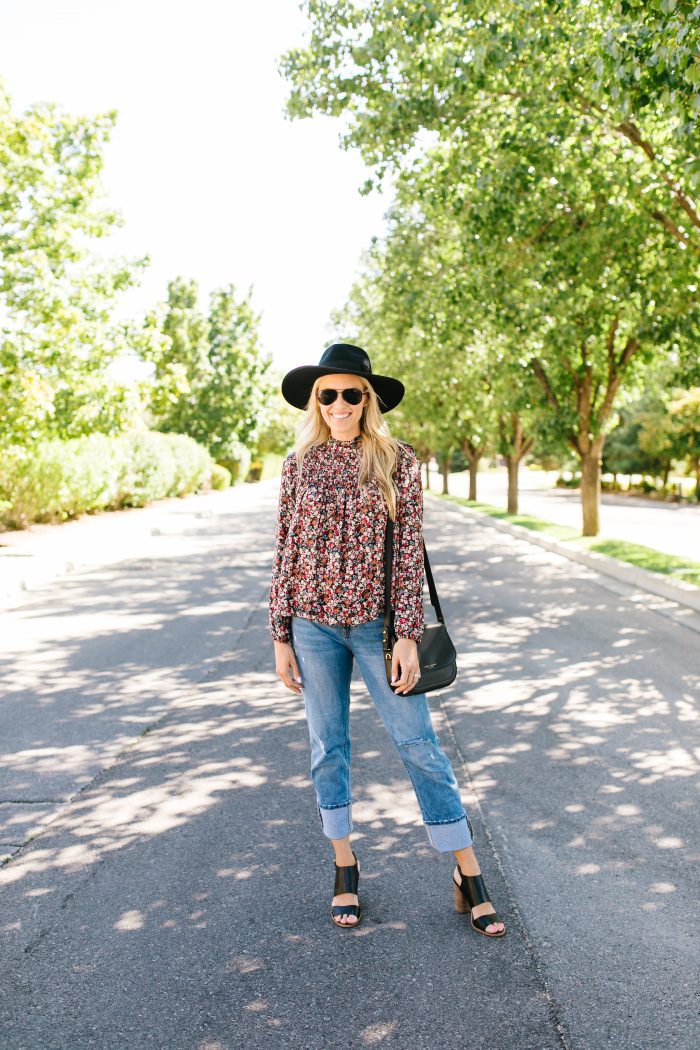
409,724
325,665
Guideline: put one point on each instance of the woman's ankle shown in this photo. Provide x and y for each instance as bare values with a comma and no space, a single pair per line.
344,854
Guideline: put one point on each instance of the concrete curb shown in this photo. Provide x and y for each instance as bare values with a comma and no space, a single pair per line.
644,579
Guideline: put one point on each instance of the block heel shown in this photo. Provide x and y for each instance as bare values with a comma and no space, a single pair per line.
460,904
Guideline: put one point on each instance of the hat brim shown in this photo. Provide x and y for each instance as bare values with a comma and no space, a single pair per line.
297,384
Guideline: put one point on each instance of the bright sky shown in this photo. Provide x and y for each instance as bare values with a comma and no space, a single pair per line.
213,182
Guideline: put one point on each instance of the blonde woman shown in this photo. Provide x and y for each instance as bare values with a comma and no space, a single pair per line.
327,603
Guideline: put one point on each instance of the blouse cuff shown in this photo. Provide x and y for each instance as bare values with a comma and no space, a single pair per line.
279,629
404,631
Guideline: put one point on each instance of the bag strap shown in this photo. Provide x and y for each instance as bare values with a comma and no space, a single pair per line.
388,565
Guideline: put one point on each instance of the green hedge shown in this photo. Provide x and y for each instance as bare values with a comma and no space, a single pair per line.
220,477
56,480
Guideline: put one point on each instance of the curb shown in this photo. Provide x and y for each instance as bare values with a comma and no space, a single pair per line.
644,579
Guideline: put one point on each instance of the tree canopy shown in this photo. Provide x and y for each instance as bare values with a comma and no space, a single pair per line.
544,156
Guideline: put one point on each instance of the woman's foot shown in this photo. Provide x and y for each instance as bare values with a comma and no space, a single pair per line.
487,908
345,906
468,865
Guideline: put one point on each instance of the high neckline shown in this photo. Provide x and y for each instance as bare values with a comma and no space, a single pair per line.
350,443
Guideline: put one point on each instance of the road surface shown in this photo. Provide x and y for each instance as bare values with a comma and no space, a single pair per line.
178,893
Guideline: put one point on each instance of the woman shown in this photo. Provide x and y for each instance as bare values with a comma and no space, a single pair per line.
327,605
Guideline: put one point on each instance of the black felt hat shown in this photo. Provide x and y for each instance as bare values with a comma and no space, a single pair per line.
337,358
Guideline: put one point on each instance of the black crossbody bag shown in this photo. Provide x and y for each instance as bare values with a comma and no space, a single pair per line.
436,653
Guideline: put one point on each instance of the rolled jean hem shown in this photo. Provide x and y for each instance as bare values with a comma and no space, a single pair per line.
336,820
446,837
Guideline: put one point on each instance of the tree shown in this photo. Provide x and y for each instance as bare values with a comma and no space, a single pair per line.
408,301
685,411
211,378
650,57
401,70
642,441
531,157
58,336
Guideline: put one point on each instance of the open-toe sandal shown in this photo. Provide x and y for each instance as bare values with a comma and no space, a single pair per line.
346,880
469,894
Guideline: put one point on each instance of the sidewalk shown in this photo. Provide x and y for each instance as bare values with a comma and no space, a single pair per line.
34,557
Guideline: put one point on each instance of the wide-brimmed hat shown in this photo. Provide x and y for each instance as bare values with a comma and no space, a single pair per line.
337,358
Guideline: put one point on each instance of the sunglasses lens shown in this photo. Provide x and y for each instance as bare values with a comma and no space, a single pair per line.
353,396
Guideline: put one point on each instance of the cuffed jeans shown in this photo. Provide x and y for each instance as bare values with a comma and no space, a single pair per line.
325,656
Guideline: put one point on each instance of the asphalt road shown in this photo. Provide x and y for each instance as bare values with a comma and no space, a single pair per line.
673,528
177,895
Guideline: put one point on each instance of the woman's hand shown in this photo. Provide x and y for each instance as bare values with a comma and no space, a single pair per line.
286,666
406,658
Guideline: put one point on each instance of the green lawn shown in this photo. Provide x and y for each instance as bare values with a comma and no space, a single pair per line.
633,553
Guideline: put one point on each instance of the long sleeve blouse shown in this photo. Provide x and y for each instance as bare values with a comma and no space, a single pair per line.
328,563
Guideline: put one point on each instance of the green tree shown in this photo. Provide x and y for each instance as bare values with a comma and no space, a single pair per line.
211,377
399,71
573,237
407,305
649,59
642,441
685,411
58,335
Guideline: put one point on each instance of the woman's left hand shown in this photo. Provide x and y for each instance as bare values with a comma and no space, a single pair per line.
405,658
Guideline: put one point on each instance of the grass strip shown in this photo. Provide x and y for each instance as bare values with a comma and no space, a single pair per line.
632,553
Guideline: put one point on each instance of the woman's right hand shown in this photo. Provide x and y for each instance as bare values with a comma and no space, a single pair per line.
286,666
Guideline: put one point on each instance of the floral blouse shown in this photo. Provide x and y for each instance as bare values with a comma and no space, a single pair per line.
329,552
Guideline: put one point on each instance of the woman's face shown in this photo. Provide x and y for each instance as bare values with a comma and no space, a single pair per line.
342,418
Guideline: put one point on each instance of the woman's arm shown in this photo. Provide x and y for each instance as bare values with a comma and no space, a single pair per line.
279,622
408,548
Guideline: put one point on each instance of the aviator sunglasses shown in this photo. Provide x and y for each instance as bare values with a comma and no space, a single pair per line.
352,396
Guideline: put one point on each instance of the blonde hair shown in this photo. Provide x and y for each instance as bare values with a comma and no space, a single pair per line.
379,448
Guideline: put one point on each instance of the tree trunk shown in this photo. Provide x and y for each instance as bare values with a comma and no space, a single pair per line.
513,465
473,471
427,475
589,404
590,488
445,470
472,454
515,445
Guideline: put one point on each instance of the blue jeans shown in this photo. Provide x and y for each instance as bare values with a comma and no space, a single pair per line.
325,656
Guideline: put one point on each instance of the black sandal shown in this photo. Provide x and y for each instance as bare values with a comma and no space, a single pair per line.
346,880
468,895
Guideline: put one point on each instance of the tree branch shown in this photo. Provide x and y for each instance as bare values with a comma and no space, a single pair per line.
543,380
633,134
668,224
629,350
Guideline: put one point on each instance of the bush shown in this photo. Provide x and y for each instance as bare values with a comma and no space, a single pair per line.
236,458
56,480
220,477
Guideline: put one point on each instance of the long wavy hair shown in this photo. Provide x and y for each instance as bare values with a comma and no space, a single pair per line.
379,448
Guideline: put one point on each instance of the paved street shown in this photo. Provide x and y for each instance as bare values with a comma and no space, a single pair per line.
670,527
177,893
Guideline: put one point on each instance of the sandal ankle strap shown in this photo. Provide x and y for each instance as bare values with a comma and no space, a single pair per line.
347,878
473,889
